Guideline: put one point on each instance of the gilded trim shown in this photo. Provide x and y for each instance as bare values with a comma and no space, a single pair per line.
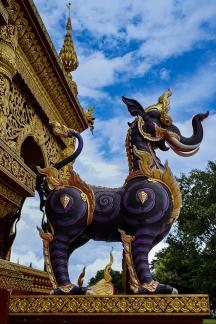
162,305
134,281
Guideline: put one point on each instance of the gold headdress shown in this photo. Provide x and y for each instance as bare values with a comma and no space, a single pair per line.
163,106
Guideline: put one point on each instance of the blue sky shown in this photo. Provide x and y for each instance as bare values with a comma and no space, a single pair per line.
135,48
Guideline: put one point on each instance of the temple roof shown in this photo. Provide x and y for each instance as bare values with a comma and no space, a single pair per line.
36,46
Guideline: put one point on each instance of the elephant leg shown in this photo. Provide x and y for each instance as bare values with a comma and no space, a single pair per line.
140,248
137,248
59,250
58,255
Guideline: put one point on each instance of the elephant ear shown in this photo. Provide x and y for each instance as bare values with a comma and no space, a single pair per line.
134,106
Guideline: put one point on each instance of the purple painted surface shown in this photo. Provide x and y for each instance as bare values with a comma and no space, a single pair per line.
118,208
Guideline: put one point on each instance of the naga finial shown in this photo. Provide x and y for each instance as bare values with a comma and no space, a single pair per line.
90,118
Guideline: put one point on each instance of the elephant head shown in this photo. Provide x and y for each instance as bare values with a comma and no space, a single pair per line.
156,125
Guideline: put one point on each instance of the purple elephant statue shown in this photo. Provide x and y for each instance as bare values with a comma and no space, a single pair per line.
140,213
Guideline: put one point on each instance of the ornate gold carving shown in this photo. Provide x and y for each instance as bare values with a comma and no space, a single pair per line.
81,278
163,105
53,178
142,196
90,118
145,162
55,84
35,85
13,166
65,199
8,43
151,287
3,14
10,278
59,129
68,56
18,174
83,196
22,120
134,281
39,279
163,175
55,181
47,238
129,147
10,195
148,136
67,53
6,208
4,107
182,305
104,286
66,288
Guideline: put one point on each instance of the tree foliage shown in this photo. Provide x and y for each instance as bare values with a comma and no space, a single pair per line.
116,279
189,261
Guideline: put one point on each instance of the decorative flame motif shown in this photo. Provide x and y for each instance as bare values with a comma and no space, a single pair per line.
142,195
64,199
81,278
163,105
104,286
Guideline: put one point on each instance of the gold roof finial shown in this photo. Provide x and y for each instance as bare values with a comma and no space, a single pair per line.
67,53
69,7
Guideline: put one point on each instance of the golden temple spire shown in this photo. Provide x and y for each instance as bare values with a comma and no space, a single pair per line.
67,53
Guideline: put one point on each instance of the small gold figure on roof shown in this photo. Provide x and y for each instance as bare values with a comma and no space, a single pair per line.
90,118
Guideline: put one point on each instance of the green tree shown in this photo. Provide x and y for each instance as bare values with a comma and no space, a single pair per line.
116,279
189,261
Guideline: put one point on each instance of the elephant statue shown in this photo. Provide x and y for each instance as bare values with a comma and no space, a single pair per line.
139,214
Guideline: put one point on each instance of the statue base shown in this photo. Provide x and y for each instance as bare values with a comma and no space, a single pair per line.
115,309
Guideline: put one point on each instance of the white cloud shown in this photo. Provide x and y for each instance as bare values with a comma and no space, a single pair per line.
97,71
191,94
163,29
27,258
164,74
28,245
95,167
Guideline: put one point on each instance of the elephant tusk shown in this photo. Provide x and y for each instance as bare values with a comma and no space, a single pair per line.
186,154
178,144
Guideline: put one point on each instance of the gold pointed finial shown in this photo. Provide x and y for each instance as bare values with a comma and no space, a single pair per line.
67,53
69,8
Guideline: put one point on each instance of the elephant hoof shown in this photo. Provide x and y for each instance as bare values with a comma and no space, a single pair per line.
159,289
73,291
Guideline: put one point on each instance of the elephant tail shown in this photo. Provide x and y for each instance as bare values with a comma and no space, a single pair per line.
72,157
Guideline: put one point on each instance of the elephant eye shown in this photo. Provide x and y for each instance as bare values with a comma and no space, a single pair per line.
166,120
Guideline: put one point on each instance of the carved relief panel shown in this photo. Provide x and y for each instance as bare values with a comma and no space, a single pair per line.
23,119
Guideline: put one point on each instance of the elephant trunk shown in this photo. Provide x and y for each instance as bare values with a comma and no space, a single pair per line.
197,136
187,146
